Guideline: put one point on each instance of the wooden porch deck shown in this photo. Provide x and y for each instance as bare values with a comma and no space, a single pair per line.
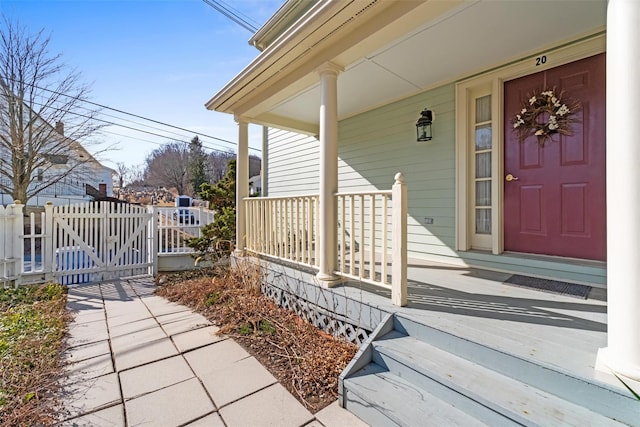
474,304
545,342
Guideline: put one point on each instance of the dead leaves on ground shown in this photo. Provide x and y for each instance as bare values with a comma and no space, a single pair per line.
306,360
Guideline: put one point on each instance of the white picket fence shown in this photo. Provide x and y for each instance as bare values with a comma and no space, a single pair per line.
90,242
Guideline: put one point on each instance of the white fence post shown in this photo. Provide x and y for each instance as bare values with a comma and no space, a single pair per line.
399,239
47,242
154,239
17,243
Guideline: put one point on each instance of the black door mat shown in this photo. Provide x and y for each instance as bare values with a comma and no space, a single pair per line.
554,286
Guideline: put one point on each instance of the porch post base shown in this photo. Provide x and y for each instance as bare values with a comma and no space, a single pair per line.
328,280
607,363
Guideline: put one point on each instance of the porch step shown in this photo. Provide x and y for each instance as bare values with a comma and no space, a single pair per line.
383,399
412,374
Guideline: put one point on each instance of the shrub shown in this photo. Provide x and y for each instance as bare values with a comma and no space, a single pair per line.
218,237
32,324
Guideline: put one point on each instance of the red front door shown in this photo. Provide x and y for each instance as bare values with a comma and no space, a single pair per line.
555,205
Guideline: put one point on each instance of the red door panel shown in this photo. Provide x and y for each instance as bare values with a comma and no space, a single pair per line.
557,204
532,219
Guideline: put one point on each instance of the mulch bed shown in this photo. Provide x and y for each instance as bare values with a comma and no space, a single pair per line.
305,360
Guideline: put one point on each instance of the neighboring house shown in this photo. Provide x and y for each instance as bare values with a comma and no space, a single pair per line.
341,85
88,180
255,186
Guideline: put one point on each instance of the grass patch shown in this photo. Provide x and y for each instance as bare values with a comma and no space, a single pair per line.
33,321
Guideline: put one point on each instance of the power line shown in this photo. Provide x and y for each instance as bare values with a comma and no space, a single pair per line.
231,14
181,136
140,117
132,115
238,12
160,123
128,127
186,138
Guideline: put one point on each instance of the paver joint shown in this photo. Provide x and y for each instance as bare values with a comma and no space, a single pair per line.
137,359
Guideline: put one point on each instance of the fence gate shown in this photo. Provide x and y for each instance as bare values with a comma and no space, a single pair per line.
100,241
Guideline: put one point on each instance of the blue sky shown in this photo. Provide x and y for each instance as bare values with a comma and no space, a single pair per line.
160,59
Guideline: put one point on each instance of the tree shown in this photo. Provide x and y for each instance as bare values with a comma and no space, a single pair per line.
223,193
218,237
197,160
123,171
217,162
167,166
43,115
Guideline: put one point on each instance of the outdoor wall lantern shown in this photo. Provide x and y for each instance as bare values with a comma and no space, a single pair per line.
423,126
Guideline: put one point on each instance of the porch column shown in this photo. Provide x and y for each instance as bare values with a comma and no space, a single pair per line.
328,174
264,165
242,184
623,189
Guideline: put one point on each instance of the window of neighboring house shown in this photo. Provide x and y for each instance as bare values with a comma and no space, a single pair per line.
40,175
58,159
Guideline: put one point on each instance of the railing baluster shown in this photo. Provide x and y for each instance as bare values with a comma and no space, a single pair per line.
286,229
384,240
255,218
296,227
372,242
342,238
271,235
303,229
361,228
310,223
352,237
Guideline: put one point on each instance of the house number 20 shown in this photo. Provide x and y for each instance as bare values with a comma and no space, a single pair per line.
541,60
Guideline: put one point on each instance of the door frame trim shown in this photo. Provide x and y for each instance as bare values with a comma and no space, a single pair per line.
493,80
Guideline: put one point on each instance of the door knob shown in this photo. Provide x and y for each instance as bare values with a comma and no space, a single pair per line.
510,178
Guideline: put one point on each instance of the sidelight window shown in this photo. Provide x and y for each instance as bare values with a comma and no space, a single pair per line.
482,175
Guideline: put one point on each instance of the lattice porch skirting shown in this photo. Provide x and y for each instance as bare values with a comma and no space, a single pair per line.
328,309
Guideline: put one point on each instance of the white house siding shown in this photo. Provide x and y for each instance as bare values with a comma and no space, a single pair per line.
294,164
376,145
70,189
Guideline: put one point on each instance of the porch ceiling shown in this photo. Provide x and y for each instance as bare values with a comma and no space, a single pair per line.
398,49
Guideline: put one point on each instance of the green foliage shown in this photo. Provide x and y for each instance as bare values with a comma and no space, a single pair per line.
245,329
267,327
197,160
12,297
32,325
212,298
218,238
263,327
223,193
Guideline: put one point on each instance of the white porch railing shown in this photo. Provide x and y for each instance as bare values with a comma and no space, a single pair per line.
284,228
371,234
364,236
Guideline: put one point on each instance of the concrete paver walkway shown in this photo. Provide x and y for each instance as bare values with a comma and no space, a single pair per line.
137,359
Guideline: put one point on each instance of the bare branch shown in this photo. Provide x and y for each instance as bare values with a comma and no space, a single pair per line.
40,96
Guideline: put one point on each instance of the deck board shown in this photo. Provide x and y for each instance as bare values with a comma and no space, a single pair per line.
559,330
